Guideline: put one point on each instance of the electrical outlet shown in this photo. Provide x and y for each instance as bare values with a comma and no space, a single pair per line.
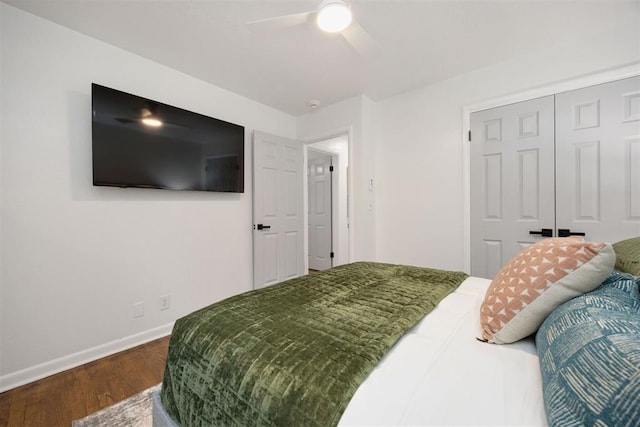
165,302
138,309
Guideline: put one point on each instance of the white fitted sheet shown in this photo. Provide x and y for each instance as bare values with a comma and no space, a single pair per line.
439,374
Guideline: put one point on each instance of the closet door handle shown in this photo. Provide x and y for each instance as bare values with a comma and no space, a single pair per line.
545,232
565,232
263,227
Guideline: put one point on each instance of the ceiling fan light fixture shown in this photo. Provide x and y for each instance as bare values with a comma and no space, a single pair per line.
333,16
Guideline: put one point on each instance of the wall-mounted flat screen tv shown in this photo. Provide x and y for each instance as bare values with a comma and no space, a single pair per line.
138,142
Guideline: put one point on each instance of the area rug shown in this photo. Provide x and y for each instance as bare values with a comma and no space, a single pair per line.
136,411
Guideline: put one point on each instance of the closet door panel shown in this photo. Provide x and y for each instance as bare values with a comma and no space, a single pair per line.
587,181
512,185
597,160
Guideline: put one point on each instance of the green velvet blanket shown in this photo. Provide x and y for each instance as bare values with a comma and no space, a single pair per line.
293,354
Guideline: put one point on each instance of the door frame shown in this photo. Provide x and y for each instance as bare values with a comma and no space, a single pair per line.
343,254
525,95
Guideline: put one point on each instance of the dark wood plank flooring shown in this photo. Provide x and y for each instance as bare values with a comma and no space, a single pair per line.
78,392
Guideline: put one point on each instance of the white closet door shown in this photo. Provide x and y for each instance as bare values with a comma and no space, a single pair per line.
512,181
598,160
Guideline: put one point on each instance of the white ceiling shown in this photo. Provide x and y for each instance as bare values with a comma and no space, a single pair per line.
418,41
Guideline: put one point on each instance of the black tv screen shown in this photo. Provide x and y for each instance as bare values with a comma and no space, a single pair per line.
138,142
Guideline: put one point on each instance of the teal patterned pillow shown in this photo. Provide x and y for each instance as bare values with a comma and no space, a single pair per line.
589,351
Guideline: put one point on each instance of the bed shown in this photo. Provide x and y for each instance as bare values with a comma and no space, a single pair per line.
430,370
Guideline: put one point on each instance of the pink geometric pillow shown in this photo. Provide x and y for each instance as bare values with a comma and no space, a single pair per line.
539,279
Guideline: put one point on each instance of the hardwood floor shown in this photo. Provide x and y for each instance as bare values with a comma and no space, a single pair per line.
78,392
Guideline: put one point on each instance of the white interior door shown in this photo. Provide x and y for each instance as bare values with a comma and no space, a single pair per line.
512,181
277,209
320,209
598,161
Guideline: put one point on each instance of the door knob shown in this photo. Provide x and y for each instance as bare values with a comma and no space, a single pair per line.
545,232
263,227
565,232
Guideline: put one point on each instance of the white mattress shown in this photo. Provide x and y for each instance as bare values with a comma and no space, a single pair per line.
439,374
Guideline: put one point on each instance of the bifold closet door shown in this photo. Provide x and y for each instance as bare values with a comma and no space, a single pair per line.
598,161
562,165
512,181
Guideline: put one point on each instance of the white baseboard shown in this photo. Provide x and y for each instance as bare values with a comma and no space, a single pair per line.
25,376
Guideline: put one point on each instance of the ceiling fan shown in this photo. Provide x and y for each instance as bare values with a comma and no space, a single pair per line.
333,16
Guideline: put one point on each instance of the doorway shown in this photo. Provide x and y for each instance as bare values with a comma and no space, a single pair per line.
327,163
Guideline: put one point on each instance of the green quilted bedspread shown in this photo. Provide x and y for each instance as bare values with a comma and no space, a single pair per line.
293,354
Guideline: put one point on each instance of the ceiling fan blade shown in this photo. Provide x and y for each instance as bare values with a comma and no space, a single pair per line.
360,40
286,21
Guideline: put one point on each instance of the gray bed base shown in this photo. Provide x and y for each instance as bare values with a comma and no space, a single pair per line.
160,416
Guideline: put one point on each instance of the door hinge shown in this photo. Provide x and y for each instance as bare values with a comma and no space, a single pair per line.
469,136
331,168
331,255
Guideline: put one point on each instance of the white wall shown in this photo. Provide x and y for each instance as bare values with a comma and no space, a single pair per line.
419,150
75,258
357,117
